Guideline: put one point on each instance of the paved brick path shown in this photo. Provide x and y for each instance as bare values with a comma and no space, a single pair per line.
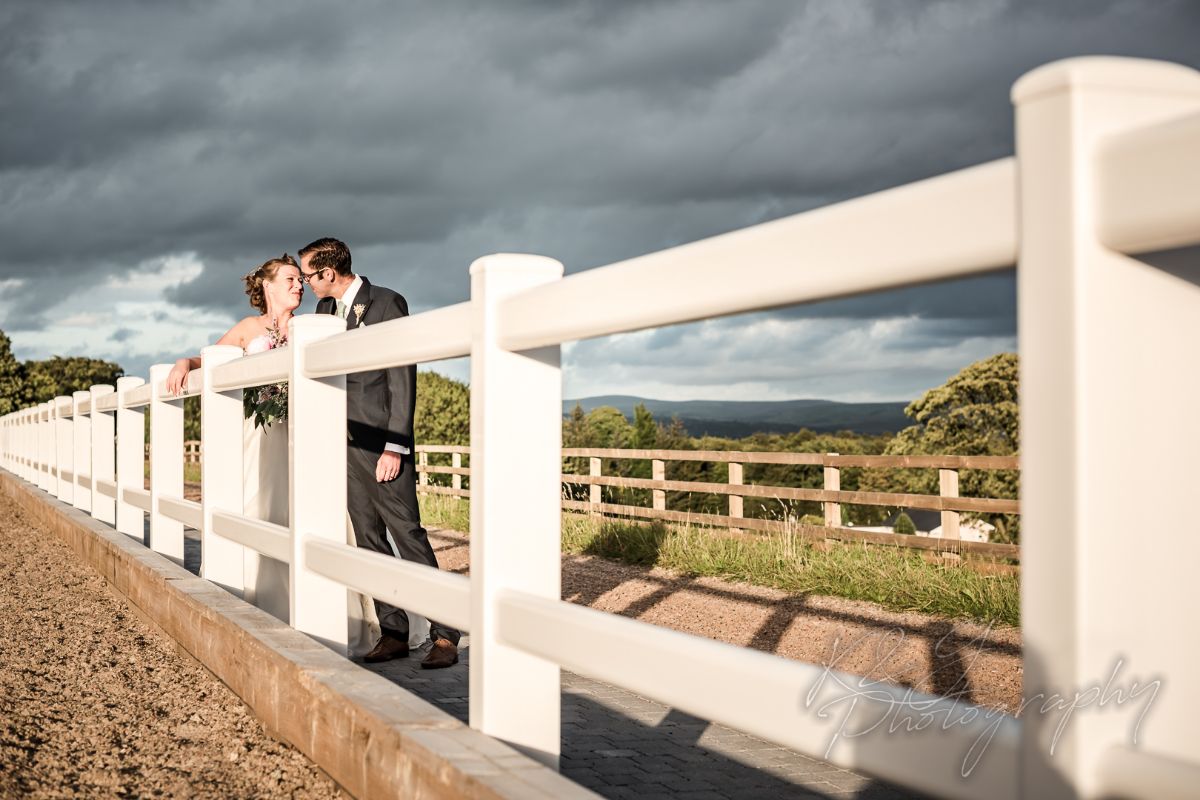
624,746
621,745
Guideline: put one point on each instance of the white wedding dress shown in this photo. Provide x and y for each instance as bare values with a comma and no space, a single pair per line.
265,497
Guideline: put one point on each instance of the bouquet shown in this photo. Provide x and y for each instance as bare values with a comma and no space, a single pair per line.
267,404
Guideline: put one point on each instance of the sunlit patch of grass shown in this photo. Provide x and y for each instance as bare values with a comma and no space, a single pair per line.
445,511
896,578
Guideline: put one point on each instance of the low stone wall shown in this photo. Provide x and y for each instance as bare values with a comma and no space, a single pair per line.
372,737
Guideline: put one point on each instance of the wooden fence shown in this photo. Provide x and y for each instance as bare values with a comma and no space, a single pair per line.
191,451
831,496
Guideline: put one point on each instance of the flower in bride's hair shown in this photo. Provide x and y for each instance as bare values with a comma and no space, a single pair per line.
359,310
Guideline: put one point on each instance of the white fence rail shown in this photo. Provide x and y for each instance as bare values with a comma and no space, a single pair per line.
1107,165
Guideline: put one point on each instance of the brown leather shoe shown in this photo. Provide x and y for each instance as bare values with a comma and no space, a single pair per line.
386,649
444,653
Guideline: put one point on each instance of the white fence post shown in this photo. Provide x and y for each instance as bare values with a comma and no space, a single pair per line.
317,482
221,561
131,463
166,463
34,443
516,506
104,443
30,445
1100,333
46,476
81,435
36,436
65,443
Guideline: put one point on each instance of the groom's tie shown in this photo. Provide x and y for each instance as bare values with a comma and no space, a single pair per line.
341,309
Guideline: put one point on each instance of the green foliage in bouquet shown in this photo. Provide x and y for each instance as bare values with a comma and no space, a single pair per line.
266,404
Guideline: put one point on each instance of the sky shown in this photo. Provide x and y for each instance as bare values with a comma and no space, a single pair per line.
153,153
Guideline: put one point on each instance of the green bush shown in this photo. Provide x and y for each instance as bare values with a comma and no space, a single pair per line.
904,524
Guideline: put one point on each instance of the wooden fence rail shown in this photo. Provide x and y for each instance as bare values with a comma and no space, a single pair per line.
831,496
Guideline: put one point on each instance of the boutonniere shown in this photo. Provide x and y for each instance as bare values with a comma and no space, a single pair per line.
359,310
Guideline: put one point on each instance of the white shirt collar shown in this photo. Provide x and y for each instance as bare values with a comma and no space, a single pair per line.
352,291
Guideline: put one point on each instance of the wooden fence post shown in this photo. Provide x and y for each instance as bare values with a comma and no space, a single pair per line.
658,471
833,483
736,502
594,490
423,460
456,462
948,487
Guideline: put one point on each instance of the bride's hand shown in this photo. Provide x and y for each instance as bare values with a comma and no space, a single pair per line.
177,377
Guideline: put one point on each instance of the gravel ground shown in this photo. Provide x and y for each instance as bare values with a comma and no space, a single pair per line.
96,703
953,658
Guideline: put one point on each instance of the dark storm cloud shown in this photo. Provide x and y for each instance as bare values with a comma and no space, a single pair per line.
988,298
426,135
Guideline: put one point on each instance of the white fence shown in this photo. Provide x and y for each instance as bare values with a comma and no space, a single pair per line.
1107,165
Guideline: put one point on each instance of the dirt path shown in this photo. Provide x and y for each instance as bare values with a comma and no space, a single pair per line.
954,658
95,703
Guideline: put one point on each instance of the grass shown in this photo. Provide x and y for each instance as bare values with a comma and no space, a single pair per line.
895,578
191,472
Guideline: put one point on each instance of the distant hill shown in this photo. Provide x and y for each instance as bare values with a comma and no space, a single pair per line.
735,419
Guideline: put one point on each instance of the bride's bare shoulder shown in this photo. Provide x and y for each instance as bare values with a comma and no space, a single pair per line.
244,330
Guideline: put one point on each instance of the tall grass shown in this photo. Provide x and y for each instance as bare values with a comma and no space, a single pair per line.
895,578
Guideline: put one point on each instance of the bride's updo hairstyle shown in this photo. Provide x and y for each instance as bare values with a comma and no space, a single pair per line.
256,278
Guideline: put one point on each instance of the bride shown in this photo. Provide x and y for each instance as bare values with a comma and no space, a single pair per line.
275,290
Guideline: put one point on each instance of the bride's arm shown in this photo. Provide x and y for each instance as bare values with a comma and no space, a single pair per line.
177,378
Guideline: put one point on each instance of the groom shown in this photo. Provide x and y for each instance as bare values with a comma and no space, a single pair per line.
381,492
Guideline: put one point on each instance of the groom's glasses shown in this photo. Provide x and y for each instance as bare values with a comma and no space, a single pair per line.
307,277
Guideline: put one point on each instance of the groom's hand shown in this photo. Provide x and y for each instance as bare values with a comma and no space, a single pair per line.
388,467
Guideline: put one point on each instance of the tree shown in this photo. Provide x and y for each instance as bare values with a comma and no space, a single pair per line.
576,431
62,375
975,413
609,427
904,524
645,432
12,378
443,412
